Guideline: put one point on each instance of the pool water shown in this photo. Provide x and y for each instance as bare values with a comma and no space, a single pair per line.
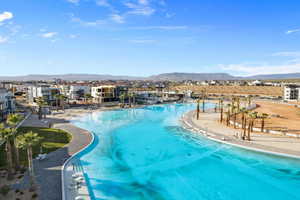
145,154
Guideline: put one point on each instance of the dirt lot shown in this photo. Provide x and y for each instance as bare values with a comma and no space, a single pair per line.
281,116
242,90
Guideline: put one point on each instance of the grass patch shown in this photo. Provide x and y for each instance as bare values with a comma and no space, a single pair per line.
52,139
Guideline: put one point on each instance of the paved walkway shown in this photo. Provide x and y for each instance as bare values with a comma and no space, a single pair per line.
262,141
48,171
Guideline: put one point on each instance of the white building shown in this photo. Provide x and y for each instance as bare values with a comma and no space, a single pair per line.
45,91
291,92
103,93
78,91
256,83
7,103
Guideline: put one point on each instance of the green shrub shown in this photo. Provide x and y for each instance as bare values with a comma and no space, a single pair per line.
4,190
34,196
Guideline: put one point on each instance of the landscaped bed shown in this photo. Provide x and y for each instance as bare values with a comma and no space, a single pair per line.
52,139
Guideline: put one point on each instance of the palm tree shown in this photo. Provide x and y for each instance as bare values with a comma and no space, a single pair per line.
234,111
233,104
238,102
62,99
221,110
130,96
13,120
249,99
41,102
263,117
253,117
122,98
6,135
57,97
245,124
243,111
228,114
133,98
27,141
203,100
88,97
198,108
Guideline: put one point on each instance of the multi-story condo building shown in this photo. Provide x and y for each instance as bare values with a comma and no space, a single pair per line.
7,103
291,92
45,91
107,93
77,92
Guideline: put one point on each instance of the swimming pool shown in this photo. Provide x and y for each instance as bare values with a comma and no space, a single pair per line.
145,154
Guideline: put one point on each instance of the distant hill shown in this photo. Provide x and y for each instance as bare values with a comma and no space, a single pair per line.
275,76
192,76
68,77
176,76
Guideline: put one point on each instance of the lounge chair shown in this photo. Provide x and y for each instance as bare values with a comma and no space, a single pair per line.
79,198
41,156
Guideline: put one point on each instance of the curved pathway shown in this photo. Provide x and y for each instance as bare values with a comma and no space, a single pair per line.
209,126
48,171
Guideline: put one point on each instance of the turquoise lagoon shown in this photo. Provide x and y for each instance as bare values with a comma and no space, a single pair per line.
144,153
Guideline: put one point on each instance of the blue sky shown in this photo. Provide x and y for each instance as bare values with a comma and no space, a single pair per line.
146,37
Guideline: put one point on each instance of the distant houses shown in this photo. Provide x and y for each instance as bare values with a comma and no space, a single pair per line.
291,92
7,103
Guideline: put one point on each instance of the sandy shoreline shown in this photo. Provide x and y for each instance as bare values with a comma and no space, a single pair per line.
267,143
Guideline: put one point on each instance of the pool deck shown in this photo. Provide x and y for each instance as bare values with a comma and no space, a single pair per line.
209,126
48,172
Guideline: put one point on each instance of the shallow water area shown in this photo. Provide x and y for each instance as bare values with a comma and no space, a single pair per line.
144,153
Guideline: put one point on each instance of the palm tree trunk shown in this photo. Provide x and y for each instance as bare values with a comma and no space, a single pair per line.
40,113
9,158
243,115
17,155
221,114
245,128
234,125
228,118
198,110
249,129
252,125
262,124
57,104
30,166
129,101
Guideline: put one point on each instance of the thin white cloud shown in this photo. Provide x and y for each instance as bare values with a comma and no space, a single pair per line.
147,11
73,1
161,28
287,54
73,36
49,34
117,18
140,8
87,23
170,15
143,2
6,16
103,3
292,31
142,41
3,39
244,69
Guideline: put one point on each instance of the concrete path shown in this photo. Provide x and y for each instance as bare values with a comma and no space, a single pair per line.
279,144
48,171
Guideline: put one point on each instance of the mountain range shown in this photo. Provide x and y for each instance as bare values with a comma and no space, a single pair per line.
176,76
